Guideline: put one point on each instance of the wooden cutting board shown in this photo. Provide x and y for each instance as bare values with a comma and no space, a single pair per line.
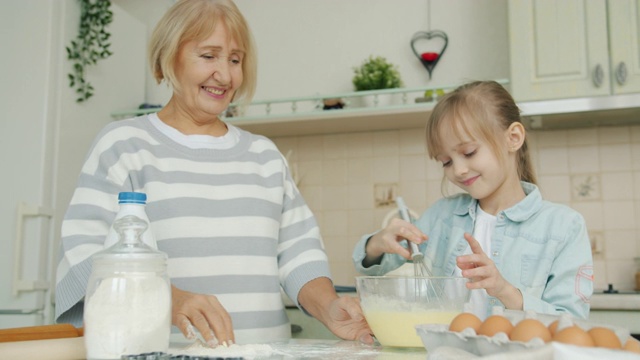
58,331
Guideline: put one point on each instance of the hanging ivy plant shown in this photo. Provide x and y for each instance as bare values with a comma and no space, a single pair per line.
90,45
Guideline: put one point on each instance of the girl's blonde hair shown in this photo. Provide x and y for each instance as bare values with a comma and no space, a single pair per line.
482,110
189,20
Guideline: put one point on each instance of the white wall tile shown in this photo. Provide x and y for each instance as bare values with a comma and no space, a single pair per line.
335,146
288,144
587,136
334,172
310,148
553,161
386,169
310,172
636,185
360,171
635,133
552,139
386,143
334,197
360,196
336,224
555,188
360,223
619,244
584,159
360,145
600,275
635,156
617,186
621,274
412,141
614,135
313,196
619,215
615,157
593,213
415,195
412,168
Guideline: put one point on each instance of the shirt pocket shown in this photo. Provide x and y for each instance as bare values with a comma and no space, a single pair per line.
535,270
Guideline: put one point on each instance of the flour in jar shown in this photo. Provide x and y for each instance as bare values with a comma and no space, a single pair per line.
127,315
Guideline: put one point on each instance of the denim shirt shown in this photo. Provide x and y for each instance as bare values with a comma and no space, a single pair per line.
541,248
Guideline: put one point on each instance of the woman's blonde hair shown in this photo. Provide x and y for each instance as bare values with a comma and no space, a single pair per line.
482,110
189,20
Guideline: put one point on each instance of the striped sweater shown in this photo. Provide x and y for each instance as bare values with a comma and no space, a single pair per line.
232,222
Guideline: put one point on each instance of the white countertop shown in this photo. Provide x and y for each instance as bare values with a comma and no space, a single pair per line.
621,301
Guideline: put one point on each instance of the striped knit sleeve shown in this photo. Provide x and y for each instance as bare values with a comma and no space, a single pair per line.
300,252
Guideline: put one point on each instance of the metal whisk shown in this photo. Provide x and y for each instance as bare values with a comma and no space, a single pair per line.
420,267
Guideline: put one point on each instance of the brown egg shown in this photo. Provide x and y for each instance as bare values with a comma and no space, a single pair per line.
632,345
528,329
495,324
574,335
464,321
553,327
604,337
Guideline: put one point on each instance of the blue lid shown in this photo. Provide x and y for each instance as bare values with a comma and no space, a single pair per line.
132,198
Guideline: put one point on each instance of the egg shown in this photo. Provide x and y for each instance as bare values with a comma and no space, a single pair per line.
553,327
465,321
632,345
604,337
574,335
495,324
528,329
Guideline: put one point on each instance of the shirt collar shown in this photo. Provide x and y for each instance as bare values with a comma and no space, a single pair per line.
521,211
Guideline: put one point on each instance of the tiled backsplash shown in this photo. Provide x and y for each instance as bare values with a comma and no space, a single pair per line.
346,179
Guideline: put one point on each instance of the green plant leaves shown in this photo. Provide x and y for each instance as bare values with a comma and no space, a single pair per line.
91,44
376,73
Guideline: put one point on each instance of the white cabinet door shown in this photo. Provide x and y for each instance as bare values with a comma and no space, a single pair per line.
624,37
557,47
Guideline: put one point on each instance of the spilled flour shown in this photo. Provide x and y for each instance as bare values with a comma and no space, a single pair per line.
248,351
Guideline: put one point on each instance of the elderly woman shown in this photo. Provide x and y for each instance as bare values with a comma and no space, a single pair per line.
222,203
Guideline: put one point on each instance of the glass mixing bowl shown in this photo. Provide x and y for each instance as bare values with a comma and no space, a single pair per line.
394,305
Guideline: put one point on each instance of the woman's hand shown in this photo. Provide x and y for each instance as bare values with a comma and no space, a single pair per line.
484,274
347,321
205,313
387,241
342,315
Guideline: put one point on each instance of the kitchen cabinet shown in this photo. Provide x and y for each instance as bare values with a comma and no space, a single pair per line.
573,48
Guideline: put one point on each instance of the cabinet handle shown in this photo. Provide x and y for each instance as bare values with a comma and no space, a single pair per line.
598,75
621,73
20,284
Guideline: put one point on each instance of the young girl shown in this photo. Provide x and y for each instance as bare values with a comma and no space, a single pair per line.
520,251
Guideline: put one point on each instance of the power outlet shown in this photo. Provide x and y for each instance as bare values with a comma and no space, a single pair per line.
597,244
384,195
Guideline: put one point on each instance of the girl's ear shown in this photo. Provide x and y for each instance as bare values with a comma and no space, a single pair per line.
515,136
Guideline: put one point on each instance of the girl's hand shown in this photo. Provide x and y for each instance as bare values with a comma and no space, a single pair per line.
484,274
205,313
387,241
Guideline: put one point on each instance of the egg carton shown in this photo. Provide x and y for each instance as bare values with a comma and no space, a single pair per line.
436,335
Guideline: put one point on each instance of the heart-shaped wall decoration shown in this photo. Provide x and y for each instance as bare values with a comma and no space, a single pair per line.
427,40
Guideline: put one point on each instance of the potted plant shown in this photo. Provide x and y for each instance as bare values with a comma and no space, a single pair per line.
376,73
